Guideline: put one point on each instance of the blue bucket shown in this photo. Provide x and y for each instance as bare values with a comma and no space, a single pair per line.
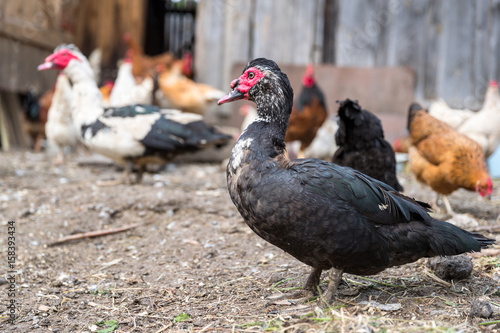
494,164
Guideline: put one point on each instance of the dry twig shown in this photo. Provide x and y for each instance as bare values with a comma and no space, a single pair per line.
92,234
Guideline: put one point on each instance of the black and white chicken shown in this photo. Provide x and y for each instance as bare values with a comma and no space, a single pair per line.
323,214
134,135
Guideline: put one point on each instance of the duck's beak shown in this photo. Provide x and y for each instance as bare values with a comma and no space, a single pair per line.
234,95
46,65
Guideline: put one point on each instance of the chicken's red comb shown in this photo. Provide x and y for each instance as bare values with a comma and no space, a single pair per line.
308,79
493,83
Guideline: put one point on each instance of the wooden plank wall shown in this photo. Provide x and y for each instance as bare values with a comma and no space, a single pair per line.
101,24
235,31
29,31
451,45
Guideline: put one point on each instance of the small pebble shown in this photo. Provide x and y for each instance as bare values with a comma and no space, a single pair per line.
451,268
275,277
481,309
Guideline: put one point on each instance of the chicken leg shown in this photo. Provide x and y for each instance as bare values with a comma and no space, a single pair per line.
447,205
59,160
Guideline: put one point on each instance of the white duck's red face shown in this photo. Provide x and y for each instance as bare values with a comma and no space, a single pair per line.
58,60
242,85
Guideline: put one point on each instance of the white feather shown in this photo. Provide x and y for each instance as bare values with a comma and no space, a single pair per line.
59,127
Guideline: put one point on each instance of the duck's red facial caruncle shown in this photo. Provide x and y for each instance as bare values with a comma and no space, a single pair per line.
58,60
241,86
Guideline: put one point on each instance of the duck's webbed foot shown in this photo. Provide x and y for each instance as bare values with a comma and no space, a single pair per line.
308,291
334,277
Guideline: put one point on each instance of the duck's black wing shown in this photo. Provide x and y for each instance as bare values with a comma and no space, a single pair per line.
169,131
370,197
380,205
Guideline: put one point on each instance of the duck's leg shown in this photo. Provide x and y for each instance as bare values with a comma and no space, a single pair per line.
124,179
334,278
312,282
309,289
140,173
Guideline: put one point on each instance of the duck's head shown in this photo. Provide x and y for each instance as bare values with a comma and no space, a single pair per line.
62,56
263,82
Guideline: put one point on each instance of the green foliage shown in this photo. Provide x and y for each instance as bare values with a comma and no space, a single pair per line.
181,317
109,326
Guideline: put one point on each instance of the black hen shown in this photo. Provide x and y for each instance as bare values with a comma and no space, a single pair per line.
323,214
362,146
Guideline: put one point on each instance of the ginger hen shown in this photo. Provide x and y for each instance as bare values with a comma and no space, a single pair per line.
142,64
444,159
308,114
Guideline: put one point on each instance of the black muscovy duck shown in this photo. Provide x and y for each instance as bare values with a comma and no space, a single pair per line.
362,146
323,214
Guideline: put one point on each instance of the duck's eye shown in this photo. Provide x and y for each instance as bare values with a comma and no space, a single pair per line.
251,75
64,54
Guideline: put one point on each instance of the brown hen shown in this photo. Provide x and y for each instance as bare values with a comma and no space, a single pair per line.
144,65
308,114
444,159
179,92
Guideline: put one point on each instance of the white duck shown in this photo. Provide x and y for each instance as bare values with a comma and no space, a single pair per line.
134,135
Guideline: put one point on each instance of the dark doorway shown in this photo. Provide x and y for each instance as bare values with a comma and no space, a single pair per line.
170,26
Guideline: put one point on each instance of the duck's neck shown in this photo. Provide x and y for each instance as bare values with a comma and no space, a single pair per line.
87,99
264,138
274,111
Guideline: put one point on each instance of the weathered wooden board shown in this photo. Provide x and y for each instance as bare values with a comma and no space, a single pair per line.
12,134
451,45
28,33
18,67
101,24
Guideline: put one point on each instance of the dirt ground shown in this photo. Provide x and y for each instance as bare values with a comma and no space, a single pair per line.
191,263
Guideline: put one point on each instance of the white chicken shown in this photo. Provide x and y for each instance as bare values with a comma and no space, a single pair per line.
249,113
59,128
126,91
453,117
324,145
132,136
484,126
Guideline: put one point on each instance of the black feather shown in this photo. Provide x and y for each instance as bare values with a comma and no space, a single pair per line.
94,128
130,110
